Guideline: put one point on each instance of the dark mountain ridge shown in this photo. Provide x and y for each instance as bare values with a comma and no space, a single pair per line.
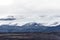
29,27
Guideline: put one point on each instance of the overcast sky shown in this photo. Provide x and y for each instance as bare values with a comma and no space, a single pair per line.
44,7
30,8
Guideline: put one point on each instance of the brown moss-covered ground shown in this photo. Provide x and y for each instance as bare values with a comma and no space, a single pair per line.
30,36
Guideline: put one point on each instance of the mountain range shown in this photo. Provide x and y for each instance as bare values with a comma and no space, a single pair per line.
29,27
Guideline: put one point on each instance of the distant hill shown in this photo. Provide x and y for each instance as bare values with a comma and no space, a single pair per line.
8,18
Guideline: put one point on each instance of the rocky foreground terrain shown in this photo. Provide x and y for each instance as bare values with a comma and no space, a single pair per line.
30,36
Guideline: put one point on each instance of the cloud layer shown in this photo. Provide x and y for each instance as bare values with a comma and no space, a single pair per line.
43,11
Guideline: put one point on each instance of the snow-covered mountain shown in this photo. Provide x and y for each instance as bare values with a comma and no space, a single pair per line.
24,19
29,27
